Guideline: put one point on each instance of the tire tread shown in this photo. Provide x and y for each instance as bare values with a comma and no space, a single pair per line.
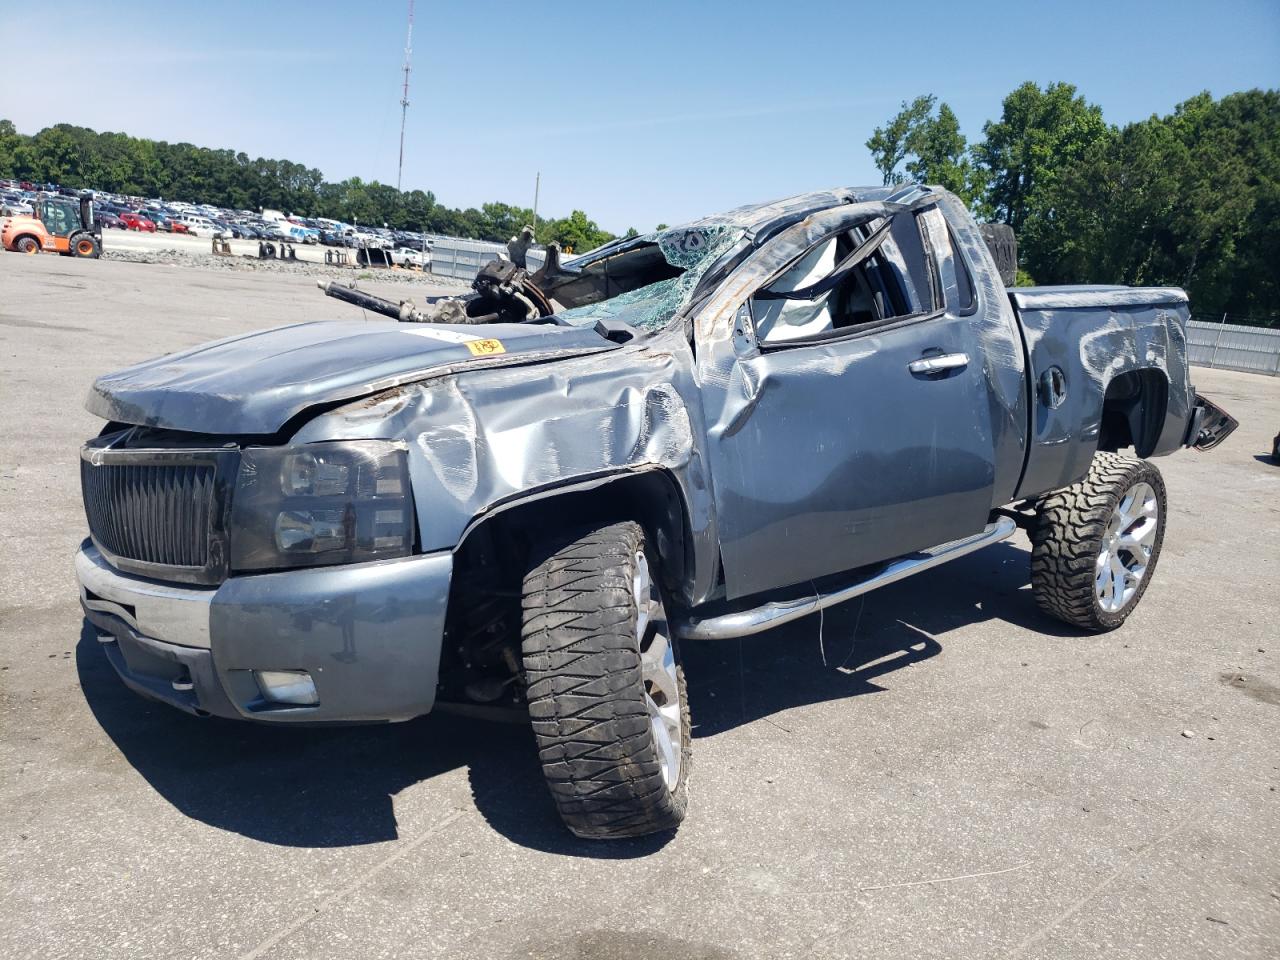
1066,538
584,692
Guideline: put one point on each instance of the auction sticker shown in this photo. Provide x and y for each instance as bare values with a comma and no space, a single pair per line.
479,346
485,348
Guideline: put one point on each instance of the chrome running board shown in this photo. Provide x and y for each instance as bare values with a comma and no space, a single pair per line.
706,624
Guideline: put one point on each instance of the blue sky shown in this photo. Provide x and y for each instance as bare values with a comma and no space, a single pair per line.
639,112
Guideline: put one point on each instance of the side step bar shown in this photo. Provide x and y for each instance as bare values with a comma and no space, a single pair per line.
698,625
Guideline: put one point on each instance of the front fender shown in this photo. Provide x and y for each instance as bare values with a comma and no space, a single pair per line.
481,440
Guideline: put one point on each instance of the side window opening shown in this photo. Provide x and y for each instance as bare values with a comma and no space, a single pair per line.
874,273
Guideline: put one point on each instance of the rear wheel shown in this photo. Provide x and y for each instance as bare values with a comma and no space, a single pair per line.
605,688
1095,544
87,246
27,245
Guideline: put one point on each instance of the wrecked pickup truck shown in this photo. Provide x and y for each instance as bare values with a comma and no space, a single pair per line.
526,497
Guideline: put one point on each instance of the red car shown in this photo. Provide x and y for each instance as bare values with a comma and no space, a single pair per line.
134,221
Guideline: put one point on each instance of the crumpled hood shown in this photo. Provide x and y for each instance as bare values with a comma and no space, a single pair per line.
256,383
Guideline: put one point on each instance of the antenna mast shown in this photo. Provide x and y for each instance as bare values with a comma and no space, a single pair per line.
404,97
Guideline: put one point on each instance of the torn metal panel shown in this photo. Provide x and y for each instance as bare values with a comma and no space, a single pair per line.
480,441
1090,346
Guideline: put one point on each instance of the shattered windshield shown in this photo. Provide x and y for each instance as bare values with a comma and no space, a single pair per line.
690,250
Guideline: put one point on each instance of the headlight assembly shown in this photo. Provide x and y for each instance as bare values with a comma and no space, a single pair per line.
321,503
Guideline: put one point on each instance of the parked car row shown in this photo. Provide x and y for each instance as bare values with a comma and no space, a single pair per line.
120,212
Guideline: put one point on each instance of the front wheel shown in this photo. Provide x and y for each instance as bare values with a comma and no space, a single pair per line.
87,246
1095,544
604,684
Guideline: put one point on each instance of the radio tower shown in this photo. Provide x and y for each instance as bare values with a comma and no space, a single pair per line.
404,97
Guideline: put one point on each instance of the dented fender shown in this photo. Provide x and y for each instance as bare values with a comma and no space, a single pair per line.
482,439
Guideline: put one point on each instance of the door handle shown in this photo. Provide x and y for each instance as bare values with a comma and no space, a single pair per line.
948,361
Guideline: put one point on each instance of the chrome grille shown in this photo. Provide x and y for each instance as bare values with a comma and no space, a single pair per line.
155,513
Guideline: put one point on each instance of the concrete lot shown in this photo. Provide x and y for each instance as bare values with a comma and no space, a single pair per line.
942,772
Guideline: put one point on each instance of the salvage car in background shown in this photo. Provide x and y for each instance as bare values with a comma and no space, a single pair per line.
136,221
524,499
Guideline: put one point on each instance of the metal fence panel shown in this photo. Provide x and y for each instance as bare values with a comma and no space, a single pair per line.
1233,346
454,257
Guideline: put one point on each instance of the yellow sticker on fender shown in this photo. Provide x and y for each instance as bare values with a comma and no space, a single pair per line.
485,348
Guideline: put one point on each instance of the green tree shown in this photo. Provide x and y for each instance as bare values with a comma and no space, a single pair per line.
575,232
1039,134
929,147
1190,199
889,145
9,141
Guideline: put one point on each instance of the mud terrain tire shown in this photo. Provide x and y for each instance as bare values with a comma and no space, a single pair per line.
1080,528
605,690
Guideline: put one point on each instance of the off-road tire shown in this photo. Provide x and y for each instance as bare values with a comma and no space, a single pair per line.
586,698
1067,538
28,245
86,247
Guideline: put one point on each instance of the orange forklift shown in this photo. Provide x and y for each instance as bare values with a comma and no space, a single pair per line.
61,223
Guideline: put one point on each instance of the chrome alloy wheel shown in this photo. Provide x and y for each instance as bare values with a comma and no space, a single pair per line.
1126,547
658,671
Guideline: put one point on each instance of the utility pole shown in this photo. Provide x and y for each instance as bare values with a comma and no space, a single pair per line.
537,182
404,97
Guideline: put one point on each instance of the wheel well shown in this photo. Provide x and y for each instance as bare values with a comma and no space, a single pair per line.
1133,411
650,497
482,630
27,236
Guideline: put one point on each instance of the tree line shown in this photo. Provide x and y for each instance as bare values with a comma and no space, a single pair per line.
81,158
1191,199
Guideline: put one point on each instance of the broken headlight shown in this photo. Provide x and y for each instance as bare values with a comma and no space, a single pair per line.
321,503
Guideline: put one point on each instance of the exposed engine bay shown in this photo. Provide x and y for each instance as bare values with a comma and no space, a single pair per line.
504,291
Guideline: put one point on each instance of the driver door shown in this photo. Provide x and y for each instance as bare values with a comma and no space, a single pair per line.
856,426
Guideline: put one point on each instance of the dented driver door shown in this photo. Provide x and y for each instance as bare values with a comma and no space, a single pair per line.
832,446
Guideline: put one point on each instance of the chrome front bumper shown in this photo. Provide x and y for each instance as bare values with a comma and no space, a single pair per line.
368,634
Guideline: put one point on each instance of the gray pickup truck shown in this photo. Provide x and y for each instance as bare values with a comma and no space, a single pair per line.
526,497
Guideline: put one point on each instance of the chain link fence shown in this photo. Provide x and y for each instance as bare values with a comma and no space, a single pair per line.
1217,342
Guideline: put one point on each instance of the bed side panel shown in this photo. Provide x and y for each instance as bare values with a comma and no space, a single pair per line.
1091,343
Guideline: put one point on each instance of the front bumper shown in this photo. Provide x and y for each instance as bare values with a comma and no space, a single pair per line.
369,635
